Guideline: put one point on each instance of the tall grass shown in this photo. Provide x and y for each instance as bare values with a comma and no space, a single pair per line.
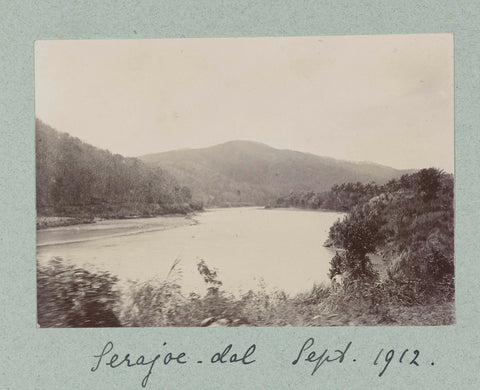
73,297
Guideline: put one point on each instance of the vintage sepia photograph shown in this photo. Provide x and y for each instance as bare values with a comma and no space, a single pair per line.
245,182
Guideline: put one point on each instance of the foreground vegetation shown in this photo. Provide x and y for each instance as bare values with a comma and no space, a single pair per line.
73,297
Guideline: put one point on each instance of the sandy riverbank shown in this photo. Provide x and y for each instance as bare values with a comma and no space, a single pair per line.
78,232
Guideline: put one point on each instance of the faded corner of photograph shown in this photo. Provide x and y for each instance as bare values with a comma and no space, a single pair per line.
231,182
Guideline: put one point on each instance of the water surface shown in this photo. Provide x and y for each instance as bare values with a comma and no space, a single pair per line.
249,247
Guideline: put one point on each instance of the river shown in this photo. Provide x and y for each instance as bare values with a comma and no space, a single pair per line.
249,247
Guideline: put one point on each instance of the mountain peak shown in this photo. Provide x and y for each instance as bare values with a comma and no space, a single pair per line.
243,144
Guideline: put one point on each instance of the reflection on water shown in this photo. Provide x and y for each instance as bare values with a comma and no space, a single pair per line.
249,246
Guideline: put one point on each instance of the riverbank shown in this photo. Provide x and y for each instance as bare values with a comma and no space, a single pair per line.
110,228
46,222
68,215
321,209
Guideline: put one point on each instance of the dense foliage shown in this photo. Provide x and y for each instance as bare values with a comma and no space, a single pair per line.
410,222
73,297
341,197
69,296
77,179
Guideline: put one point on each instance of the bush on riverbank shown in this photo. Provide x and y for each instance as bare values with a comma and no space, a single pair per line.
411,223
69,296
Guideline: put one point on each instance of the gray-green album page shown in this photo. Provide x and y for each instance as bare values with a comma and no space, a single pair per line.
239,195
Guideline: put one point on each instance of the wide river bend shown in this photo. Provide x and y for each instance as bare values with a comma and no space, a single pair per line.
249,247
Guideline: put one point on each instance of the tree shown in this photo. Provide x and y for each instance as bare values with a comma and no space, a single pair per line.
359,234
429,183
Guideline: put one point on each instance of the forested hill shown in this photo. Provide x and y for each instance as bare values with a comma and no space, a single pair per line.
76,179
245,172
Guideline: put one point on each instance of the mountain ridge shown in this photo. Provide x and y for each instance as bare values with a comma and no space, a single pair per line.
250,172
147,156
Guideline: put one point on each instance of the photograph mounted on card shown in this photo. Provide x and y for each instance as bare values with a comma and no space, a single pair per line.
240,182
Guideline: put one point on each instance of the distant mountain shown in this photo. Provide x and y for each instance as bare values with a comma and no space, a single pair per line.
246,172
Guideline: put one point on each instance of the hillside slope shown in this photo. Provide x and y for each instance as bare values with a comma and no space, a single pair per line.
246,172
75,179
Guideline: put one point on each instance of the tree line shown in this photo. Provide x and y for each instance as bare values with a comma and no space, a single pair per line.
341,197
74,178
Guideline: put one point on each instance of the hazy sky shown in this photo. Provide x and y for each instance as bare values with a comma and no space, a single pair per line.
387,99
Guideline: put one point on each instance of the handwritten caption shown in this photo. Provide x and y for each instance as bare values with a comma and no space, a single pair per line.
308,355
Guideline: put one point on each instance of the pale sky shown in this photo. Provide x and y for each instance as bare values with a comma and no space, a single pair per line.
385,98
